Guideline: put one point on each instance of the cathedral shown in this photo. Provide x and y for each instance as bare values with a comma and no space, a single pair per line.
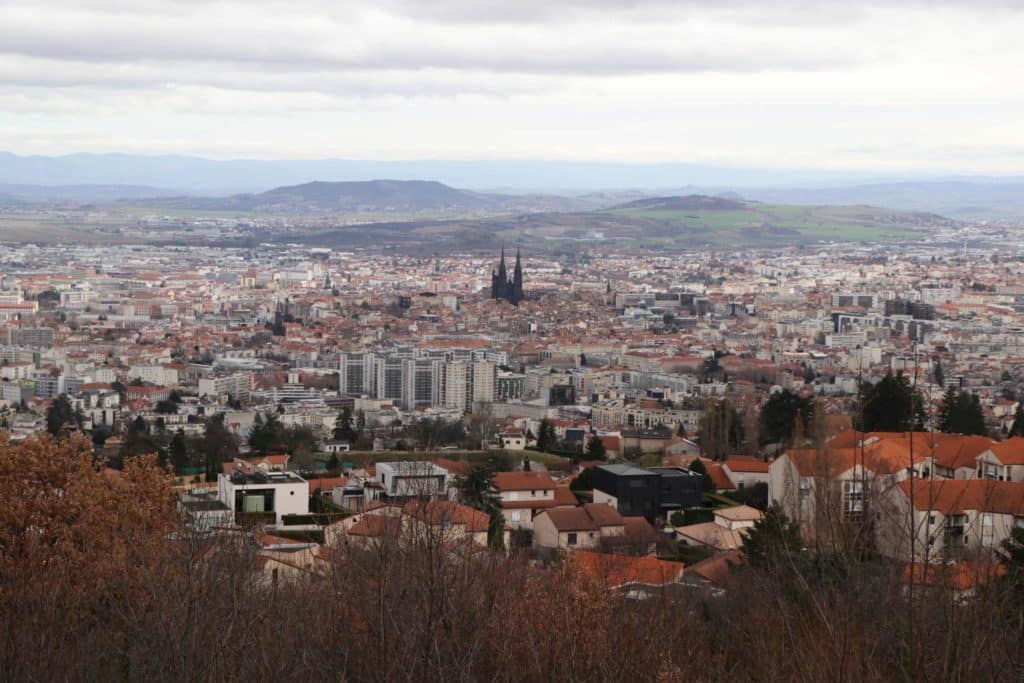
504,287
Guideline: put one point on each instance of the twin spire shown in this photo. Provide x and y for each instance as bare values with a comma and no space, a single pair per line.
505,288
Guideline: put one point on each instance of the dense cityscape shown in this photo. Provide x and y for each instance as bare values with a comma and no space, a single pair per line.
515,342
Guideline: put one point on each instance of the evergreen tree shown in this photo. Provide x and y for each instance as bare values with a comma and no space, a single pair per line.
267,434
697,467
178,452
476,490
546,438
961,413
938,374
891,405
1013,556
771,539
780,415
60,416
596,449
343,429
1018,422
217,446
333,463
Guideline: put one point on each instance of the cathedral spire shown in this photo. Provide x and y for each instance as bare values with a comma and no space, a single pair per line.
506,287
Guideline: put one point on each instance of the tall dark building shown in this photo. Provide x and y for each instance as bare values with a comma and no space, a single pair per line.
504,287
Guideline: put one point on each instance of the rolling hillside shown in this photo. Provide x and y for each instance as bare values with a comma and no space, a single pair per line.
659,223
376,196
722,221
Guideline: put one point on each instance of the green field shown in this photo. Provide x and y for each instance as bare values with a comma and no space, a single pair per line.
757,224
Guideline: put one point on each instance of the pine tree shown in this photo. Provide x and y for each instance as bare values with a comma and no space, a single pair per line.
891,405
961,413
596,449
1018,422
546,437
938,374
343,429
771,539
178,452
780,415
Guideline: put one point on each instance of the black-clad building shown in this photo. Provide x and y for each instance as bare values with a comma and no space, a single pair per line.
641,492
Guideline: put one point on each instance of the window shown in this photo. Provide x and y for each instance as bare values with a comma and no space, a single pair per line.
572,538
805,488
1018,522
987,530
953,534
853,500
931,518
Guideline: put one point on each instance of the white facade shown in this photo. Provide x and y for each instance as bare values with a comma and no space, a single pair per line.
283,493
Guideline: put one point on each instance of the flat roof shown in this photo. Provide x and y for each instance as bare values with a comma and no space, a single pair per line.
260,478
626,470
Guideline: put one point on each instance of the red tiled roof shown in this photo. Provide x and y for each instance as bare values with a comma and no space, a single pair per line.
523,481
719,477
746,464
1010,452
620,570
448,512
565,497
954,496
589,517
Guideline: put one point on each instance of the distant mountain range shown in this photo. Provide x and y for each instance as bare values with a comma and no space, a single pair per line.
253,185
80,193
195,175
956,199
364,196
377,197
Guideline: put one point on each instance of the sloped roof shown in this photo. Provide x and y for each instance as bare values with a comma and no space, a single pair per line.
620,570
956,451
375,526
719,477
954,496
448,512
712,535
740,513
1009,452
589,517
523,481
746,464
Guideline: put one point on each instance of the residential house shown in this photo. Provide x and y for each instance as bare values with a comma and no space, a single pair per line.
523,495
745,471
273,494
650,493
585,526
1002,461
948,518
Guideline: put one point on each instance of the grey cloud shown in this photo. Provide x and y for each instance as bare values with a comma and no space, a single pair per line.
307,45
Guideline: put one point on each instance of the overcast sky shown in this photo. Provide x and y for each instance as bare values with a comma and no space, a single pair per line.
887,86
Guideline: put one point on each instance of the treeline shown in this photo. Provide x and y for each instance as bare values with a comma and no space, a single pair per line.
99,581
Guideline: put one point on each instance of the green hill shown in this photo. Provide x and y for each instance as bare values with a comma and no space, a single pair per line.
721,222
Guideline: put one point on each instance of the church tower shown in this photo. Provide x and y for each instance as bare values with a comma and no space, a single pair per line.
504,287
517,280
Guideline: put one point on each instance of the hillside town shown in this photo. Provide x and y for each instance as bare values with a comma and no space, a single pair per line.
636,406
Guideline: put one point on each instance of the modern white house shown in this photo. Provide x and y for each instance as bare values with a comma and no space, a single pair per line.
282,493
412,479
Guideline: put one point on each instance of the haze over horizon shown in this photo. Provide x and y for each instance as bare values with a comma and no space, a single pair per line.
828,88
